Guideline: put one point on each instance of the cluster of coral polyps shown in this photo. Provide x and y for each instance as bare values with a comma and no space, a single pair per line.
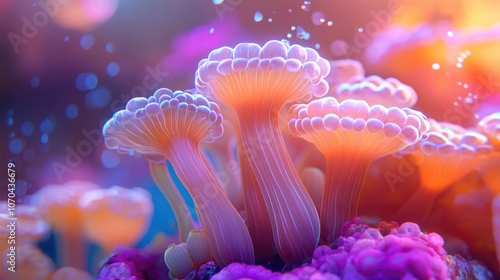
360,119
78,213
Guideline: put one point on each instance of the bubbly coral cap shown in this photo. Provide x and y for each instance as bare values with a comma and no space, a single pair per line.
145,126
248,66
490,126
327,115
375,90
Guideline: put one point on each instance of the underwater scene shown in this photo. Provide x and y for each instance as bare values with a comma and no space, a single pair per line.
239,139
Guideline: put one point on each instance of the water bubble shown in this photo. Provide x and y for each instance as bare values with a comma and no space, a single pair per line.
329,23
293,27
217,2
270,19
361,29
459,65
44,138
66,38
27,128
290,10
16,146
71,111
112,69
109,47
110,158
86,81
97,98
87,41
302,33
436,66
468,100
258,16
317,46
306,6
35,81
318,18
450,34
289,35
211,30
460,59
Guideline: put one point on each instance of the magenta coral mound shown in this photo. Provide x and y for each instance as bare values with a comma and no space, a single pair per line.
405,253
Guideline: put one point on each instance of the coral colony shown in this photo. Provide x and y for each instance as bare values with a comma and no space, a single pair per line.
270,113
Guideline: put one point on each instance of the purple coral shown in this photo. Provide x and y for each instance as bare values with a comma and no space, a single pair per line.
405,252
134,264
242,271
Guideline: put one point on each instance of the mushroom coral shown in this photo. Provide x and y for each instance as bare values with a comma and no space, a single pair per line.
67,272
31,227
445,154
256,82
30,264
374,90
58,205
351,134
162,178
106,210
170,125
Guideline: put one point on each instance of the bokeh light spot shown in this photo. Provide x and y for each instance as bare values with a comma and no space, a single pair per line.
87,41
86,81
27,128
16,146
258,16
44,138
217,2
35,81
71,111
109,47
436,66
47,125
10,121
97,98
318,18
339,47
112,69
110,159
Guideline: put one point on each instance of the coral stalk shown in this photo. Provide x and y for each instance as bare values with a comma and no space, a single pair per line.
291,209
227,233
160,175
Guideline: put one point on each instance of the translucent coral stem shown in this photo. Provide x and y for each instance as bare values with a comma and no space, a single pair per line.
227,233
72,249
294,219
258,222
418,207
225,165
344,178
162,178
